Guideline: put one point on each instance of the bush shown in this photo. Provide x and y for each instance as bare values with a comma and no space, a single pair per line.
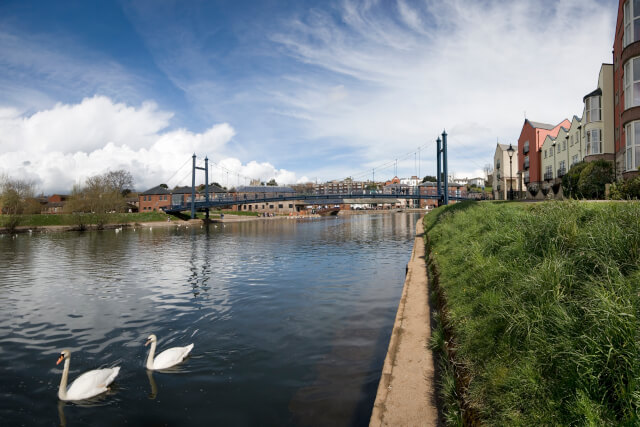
571,179
593,179
626,190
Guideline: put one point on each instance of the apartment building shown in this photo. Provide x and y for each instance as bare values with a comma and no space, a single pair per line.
504,173
626,86
530,143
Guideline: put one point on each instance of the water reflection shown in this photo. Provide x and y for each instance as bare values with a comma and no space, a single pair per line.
290,320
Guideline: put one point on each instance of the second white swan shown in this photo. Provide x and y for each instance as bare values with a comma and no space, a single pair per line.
167,358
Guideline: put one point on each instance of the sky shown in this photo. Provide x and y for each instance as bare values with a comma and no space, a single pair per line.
292,90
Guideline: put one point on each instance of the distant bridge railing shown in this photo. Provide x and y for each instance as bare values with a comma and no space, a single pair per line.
312,199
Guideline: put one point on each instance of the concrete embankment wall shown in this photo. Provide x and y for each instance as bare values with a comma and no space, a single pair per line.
406,392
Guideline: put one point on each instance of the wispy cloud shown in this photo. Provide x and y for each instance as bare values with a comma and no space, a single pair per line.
416,69
39,70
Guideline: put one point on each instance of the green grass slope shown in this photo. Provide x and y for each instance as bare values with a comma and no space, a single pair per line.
543,302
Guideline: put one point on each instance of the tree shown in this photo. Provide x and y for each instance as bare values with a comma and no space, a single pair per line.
100,194
429,178
272,182
120,180
17,196
164,186
488,170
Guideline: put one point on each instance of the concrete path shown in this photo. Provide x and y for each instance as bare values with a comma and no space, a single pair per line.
406,393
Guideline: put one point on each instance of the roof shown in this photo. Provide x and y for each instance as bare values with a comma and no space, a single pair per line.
505,147
181,190
540,125
435,184
156,190
594,93
264,189
214,189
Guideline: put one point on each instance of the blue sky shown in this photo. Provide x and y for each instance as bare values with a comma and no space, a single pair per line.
292,90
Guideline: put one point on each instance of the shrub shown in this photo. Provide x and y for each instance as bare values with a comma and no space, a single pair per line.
626,190
571,179
594,176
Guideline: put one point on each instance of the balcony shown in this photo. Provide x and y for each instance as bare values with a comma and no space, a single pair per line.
527,180
562,172
498,165
548,176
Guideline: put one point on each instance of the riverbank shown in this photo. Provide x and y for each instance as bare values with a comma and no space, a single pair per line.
406,392
539,307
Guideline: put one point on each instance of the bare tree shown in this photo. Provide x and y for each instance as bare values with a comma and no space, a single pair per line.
17,196
488,170
120,180
101,193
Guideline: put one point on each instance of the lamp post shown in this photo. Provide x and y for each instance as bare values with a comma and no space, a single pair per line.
510,152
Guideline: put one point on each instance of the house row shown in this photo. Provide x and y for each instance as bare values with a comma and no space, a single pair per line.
608,128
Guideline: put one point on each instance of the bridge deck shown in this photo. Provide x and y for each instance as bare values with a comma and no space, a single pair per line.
312,199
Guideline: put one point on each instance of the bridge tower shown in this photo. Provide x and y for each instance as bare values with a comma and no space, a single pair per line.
193,186
442,170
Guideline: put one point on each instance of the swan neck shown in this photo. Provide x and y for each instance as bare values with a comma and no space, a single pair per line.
62,390
152,352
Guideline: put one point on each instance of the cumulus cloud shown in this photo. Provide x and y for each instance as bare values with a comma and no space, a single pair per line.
64,145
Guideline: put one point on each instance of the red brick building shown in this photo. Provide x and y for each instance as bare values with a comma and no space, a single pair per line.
431,189
529,145
626,86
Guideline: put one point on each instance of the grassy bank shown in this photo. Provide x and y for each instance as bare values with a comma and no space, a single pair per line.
542,303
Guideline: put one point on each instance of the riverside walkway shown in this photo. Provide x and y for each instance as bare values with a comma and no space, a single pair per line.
406,392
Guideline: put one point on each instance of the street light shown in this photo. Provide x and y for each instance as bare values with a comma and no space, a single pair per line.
510,152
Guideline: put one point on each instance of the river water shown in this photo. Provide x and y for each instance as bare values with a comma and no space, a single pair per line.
290,319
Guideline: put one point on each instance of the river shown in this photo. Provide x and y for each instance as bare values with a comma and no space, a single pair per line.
290,319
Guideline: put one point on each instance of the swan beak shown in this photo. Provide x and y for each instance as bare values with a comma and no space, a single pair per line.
147,343
60,359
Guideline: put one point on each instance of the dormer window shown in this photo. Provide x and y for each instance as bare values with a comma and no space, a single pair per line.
593,107
631,22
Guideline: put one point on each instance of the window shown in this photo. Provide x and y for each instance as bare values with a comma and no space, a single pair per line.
526,147
632,146
574,159
593,108
548,172
632,83
545,154
594,142
279,205
631,22
290,206
563,168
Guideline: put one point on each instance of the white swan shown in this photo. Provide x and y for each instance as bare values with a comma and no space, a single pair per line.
89,384
167,358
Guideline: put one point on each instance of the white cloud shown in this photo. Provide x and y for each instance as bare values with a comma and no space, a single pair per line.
67,143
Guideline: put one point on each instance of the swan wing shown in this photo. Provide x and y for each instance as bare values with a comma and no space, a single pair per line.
92,383
171,357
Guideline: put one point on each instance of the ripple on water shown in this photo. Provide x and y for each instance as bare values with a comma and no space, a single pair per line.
290,320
